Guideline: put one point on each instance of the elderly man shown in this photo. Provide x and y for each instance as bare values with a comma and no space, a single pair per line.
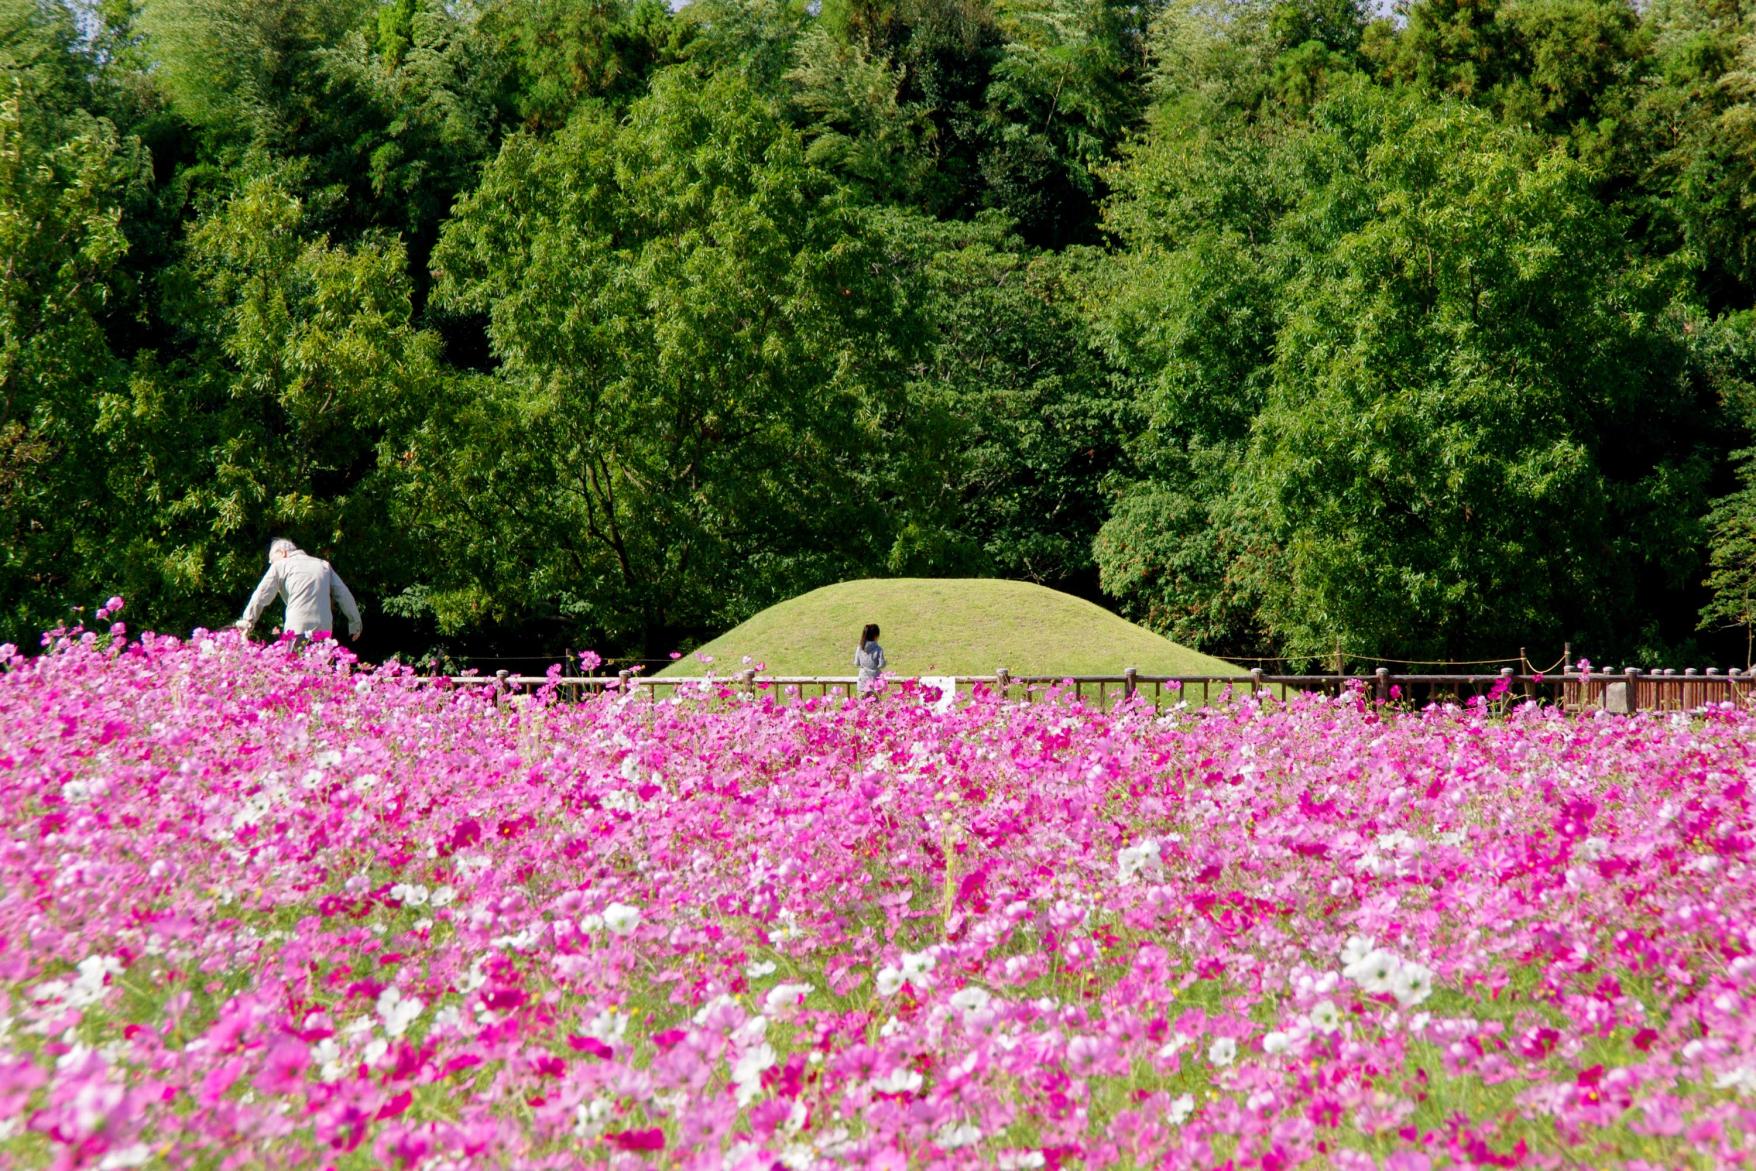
307,583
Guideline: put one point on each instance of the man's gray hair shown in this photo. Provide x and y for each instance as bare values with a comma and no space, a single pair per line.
281,547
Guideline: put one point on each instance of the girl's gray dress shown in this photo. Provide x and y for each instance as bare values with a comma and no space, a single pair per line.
869,660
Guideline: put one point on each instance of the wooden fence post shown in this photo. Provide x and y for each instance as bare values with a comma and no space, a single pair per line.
1001,678
1383,685
1128,682
1255,680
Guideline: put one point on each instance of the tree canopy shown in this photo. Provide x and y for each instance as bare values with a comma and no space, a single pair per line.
1278,325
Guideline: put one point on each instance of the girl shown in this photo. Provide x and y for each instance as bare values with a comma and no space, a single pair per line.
869,659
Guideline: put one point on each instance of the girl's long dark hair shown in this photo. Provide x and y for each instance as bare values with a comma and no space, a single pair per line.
869,634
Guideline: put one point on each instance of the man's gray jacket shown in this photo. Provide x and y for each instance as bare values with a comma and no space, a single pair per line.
307,583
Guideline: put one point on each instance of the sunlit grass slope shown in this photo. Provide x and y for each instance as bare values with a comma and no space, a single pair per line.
948,626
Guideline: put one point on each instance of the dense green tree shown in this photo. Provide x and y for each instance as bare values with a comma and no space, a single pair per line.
755,39
1546,63
861,124
1275,322
1650,97
564,52
1726,352
1191,331
1472,410
1026,424
1187,313
1731,525
699,401
64,175
1250,58
247,72
1064,90
295,371
957,106
427,107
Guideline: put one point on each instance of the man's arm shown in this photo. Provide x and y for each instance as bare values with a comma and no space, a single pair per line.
266,591
338,589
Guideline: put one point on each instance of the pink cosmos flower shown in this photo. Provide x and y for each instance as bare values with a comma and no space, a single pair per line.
650,1139
283,1071
210,816
591,1046
218,1080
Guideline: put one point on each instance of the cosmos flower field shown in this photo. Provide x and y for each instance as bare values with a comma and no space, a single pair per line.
262,907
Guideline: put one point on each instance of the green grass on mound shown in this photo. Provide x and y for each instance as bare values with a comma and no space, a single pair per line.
947,626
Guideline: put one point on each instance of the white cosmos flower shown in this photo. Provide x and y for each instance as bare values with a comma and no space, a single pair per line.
1375,972
957,1134
621,918
1140,858
783,997
589,1117
138,1155
1742,1079
327,1054
750,1033
971,999
1223,1051
88,987
917,966
608,1026
747,1073
1182,1106
889,981
1411,984
1325,1017
1357,948
901,1080
397,1011
1276,1042
410,894
760,969
1174,1046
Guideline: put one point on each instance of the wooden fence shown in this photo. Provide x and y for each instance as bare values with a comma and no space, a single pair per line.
1622,691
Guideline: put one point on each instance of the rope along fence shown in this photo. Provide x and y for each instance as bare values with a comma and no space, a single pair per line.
1625,691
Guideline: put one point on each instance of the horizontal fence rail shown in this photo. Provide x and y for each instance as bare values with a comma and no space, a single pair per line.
1623,691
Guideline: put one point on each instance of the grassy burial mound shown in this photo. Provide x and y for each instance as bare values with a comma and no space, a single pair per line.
947,626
